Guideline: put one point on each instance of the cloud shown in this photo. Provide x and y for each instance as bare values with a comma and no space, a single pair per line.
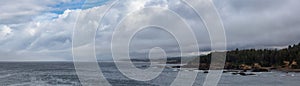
5,31
260,24
16,11
36,33
20,11
46,36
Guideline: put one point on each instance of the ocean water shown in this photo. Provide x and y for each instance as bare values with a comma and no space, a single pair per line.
63,74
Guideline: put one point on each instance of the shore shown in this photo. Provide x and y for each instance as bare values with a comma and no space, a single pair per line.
226,70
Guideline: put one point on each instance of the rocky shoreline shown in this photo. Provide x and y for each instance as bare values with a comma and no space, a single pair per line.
240,72
243,72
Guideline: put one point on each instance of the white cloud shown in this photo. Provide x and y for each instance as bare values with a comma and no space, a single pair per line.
47,36
18,11
4,32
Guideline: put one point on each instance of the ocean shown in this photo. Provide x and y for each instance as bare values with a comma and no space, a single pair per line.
63,74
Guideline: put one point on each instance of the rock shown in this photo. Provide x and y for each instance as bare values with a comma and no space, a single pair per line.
235,73
251,74
243,74
176,66
228,71
260,70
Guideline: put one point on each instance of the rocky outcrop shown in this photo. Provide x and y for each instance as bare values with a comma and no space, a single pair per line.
243,73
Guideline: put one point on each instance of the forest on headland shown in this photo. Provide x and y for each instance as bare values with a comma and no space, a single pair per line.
249,59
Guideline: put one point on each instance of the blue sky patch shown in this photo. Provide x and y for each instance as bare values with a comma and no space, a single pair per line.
77,4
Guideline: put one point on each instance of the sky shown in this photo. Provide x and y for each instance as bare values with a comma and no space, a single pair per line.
41,30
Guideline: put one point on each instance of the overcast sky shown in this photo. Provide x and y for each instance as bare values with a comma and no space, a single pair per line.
41,30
